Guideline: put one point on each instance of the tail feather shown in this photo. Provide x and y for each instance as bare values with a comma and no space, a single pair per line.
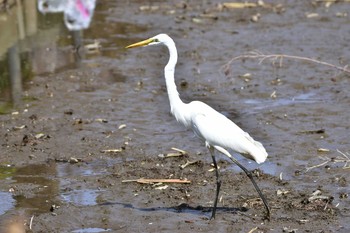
257,151
261,153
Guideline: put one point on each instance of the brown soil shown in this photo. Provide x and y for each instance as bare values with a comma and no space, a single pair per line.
53,162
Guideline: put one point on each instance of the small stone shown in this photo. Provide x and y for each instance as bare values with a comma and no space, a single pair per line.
73,160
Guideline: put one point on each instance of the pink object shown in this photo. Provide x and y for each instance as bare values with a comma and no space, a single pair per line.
81,7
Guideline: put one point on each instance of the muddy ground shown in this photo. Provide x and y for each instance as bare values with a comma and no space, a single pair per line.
55,168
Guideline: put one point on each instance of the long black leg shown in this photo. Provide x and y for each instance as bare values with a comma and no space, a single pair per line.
218,182
249,174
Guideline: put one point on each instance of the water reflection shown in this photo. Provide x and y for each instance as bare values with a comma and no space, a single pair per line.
83,197
15,74
33,44
77,13
40,183
31,188
16,26
7,202
36,44
91,230
49,183
301,98
98,167
6,199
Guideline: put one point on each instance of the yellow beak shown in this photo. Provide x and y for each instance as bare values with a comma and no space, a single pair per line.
139,44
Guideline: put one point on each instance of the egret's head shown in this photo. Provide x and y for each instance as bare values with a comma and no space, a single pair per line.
158,39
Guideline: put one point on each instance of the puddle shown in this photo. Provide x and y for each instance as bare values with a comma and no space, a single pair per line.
41,187
94,168
43,184
302,98
42,45
91,230
6,171
28,48
81,197
7,202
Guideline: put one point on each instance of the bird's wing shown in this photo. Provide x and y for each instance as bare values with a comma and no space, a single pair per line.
216,129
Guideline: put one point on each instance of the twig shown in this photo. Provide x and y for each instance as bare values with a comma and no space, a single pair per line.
150,181
112,150
253,229
312,198
31,222
325,207
179,150
188,163
345,160
274,57
318,165
169,155
178,153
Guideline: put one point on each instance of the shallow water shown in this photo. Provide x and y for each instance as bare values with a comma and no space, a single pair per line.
7,202
91,230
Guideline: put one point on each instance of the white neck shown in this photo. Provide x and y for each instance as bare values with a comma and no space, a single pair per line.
177,106
169,71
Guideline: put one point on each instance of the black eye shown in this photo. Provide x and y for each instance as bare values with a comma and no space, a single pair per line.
155,40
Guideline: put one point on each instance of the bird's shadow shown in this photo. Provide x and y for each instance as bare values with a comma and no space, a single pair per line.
182,208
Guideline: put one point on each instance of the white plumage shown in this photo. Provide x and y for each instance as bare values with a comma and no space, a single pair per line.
208,124
215,129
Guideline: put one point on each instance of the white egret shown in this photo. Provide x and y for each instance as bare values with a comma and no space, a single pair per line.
216,130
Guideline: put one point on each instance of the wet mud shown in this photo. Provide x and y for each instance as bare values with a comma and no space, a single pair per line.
87,121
